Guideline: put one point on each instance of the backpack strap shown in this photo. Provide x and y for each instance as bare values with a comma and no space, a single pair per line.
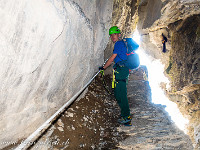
124,40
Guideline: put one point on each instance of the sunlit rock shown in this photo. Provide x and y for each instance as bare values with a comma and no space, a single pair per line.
178,20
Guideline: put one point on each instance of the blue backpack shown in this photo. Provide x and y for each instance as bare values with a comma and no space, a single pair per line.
133,60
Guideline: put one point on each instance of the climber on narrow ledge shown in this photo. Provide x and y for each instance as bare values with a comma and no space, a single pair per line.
121,73
164,40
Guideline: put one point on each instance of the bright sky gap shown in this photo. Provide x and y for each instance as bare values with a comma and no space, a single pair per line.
156,77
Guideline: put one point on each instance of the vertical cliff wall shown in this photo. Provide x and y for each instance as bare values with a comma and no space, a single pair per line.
184,71
178,20
48,51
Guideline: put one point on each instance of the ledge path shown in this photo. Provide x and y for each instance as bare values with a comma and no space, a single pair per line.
91,122
152,128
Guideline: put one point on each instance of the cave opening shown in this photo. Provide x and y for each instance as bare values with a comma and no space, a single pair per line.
156,79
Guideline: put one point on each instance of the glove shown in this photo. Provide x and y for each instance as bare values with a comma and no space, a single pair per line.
101,68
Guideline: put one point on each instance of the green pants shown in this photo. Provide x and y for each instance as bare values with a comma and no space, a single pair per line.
120,91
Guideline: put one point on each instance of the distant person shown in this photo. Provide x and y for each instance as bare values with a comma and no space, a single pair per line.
121,73
164,40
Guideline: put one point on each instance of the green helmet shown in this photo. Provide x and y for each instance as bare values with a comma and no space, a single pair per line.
113,30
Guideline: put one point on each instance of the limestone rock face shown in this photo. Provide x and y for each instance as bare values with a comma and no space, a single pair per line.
178,20
48,51
184,68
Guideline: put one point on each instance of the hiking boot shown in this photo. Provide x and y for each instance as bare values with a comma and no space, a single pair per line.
128,124
124,120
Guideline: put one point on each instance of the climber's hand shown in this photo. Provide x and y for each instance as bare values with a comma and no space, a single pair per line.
101,68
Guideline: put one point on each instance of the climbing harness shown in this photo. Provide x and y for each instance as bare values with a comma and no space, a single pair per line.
104,83
113,81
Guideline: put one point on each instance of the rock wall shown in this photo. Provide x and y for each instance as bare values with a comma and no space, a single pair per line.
48,51
178,20
183,70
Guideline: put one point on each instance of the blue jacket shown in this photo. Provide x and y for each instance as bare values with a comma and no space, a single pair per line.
120,49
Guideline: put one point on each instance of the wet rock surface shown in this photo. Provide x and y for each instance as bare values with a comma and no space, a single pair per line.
91,122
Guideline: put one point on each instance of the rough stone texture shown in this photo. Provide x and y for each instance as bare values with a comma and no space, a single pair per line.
46,46
152,127
91,122
178,20
184,70
48,51
125,16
